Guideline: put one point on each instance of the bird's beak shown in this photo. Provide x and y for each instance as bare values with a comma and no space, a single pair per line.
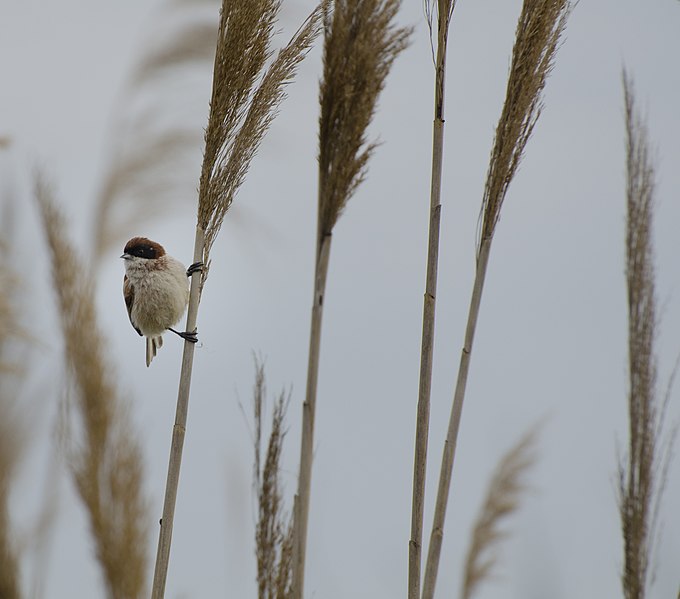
126,256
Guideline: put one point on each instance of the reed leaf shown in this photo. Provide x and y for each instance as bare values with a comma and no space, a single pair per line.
540,27
502,500
106,464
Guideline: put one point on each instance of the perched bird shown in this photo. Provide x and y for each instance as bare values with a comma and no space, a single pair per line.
156,291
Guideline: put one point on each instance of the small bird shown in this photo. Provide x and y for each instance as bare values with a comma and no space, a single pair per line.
156,291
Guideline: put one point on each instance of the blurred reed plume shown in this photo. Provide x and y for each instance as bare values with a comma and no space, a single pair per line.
245,98
540,27
360,44
106,462
642,474
274,531
12,428
153,150
503,499
442,10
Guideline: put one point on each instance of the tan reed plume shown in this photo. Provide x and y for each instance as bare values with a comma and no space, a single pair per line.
642,474
360,44
241,112
245,99
503,499
10,445
106,463
540,27
442,10
539,30
12,428
274,530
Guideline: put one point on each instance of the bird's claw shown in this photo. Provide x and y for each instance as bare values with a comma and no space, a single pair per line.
191,337
194,268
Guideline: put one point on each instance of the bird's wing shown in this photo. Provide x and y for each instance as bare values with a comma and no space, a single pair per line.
129,295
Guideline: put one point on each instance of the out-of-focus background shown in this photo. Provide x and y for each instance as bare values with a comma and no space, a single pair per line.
77,100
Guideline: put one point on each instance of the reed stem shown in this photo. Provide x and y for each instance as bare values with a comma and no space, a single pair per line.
448,456
178,432
429,304
301,506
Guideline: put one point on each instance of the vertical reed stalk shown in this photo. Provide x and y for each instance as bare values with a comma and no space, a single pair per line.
178,431
454,424
301,506
445,10
539,29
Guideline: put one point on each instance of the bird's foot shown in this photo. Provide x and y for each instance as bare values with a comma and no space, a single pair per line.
186,335
194,268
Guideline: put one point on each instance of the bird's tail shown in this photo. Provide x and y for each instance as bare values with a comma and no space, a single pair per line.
153,344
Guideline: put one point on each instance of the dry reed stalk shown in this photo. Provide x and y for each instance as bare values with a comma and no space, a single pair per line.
244,102
502,501
274,530
360,44
444,12
640,485
538,34
11,427
106,463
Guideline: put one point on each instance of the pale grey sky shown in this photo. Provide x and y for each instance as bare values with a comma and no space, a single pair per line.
551,340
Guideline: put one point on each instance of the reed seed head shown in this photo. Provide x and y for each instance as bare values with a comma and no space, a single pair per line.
360,44
539,29
107,462
639,482
502,501
245,99
273,535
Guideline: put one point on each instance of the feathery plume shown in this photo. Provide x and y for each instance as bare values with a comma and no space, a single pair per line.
502,501
642,475
360,44
241,111
539,30
107,462
273,534
12,427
